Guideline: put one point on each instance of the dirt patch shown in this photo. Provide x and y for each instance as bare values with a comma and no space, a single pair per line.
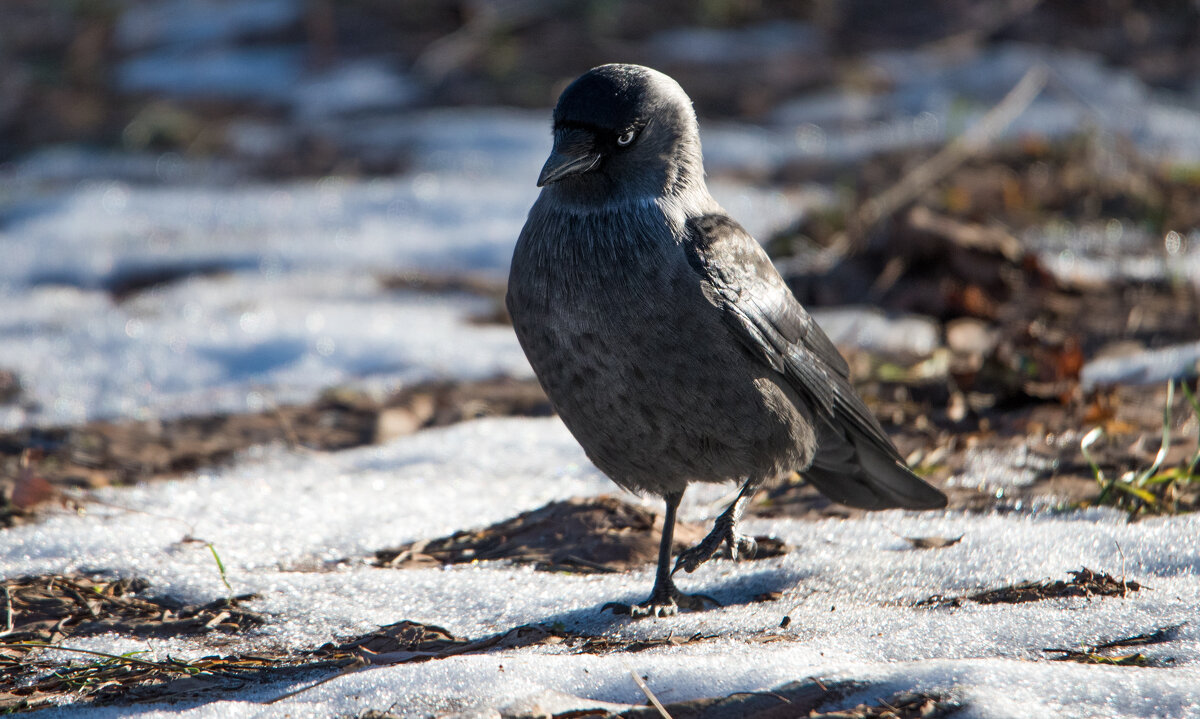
28,683
1112,652
100,454
796,699
1026,457
1136,659
931,542
406,641
1083,583
126,284
608,645
488,288
402,641
41,611
583,535
906,705
37,684
1015,337
49,608
10,387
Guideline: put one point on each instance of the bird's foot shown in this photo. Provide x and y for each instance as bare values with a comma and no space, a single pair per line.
740,546
663,604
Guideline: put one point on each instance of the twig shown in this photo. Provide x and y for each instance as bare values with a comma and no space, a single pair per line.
995,21
118,657
571,559
649,694
1191,397
289,432
1156,637
909,187
486,20
780,697
89,498
1123,588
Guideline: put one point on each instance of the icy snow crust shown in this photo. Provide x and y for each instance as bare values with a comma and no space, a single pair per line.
849,586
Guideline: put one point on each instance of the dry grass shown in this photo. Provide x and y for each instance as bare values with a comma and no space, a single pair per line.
582,535
1083,583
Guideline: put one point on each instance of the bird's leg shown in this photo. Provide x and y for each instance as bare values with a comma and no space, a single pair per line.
724,531
665,600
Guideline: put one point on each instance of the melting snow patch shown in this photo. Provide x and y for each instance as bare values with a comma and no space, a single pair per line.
868,328
192,23
237,343
1143,368
996,470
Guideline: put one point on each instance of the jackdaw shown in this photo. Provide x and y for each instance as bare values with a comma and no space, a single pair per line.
664,337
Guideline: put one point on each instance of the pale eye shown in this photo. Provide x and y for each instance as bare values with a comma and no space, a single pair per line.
627,137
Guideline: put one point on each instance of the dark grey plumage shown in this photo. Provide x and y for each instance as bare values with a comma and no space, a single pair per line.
663,335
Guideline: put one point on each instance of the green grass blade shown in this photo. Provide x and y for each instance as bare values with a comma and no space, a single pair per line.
220,567
1165,445
1187,391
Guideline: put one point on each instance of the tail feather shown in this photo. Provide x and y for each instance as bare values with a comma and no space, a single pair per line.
855,471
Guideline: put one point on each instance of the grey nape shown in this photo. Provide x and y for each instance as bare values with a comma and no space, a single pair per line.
665,338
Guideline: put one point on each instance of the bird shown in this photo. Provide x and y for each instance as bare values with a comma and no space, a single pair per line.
666,340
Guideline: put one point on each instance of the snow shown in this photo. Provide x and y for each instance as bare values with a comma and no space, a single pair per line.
286,302
237,343
710,46
366,85
849,586
1115,250
996,470
196,23
1144,368
231,50
260,74
933,95
869,329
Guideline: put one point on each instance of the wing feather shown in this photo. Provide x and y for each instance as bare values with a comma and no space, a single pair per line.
856,462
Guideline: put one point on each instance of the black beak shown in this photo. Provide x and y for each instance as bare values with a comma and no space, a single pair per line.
574,154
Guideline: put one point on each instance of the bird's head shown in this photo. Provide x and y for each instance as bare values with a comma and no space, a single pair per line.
623,130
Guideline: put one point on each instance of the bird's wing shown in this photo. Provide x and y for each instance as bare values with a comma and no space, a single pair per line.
856,462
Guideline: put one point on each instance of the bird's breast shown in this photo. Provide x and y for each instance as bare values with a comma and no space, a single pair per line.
639,363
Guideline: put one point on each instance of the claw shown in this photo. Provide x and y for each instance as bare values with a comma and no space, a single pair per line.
740,547
662,605
724,531
744,547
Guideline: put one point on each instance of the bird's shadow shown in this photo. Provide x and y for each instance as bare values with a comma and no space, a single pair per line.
744,589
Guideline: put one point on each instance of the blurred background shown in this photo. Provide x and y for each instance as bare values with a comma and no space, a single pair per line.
294,217
197,76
